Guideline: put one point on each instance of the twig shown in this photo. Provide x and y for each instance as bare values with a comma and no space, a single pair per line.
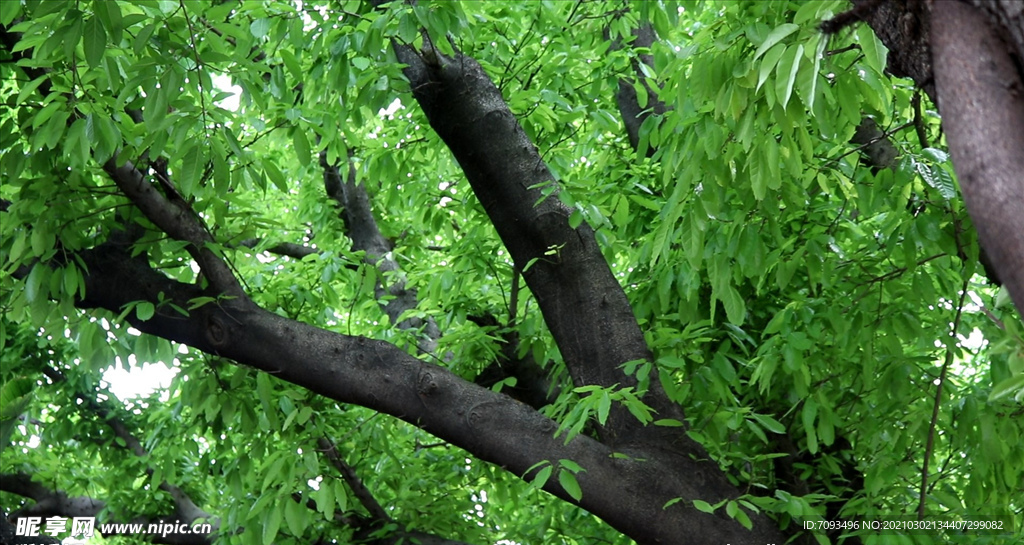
930,442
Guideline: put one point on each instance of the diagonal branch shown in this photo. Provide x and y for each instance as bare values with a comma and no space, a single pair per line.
583,304
361,227
348,473
930,442
382,377
177,219
981,98
287,249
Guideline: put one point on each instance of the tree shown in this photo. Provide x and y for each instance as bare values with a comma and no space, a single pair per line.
698,272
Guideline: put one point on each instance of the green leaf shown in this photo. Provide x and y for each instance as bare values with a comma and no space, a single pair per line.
325,500
27,90
340,495
42,240
8,11
808,415
769,423
19,245
191,169
786,73
142,38
936,155
260,27
570,465
604,405
744,519
569,483
542,477
301,145
874,52
145,310
944,182
735,307
15,395
275,175
291,62
757,431
109,14
774,37
271,524
703,506
768,63
46,113
758,172
1006,387
621,216
94,41
71,34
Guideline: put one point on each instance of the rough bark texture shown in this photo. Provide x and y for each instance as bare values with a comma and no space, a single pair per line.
903,27
981,98
583,305
969,57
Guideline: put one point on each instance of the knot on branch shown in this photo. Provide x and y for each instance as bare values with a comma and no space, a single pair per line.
476,415
426,384
216,332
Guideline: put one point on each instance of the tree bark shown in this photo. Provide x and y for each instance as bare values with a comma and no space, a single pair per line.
981,98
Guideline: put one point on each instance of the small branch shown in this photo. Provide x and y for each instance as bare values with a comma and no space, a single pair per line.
850,47
362,493
930,442
513,302
874,140
199,65
288,249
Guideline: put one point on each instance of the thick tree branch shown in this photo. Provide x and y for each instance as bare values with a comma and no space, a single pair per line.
980,102
981,97
382,377
903,28
583,305
353,202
